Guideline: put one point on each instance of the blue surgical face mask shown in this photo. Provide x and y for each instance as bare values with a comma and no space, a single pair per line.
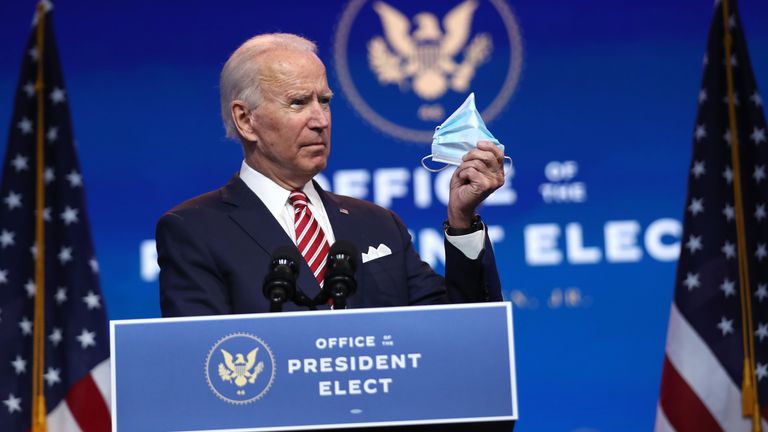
459,134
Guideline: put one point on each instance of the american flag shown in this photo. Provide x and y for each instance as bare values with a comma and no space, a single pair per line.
701,386
76,349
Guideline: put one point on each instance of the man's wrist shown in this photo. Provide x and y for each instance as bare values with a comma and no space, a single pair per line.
476,224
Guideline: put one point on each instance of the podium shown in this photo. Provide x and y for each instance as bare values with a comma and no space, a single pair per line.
446,368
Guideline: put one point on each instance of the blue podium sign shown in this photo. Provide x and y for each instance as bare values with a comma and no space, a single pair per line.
315,370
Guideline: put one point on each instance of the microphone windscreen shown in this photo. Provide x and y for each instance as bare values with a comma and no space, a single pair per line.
288,253
344,247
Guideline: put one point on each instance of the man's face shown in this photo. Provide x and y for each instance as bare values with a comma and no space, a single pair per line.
292,125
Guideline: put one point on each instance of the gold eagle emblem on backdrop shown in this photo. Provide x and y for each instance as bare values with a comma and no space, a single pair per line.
427,54
237,369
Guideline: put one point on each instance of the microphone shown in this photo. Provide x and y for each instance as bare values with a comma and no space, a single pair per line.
339,282
280,282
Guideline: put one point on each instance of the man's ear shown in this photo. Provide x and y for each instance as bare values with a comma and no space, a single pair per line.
241,116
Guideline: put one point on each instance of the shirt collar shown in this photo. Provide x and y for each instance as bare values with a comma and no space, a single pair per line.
272,194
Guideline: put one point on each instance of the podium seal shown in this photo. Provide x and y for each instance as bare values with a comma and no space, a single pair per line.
240,368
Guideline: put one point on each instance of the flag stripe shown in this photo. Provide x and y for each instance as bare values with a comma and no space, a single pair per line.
101,376
60,419
700,369
683,409
662,424
88,407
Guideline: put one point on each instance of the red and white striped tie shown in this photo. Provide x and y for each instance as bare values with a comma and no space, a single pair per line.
310,238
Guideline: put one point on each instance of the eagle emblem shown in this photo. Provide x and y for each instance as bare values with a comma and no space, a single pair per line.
237,369
426,57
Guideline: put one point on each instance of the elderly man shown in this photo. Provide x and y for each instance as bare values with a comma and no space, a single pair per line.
214,250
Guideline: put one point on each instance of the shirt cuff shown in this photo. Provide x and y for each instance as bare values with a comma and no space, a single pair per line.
469,244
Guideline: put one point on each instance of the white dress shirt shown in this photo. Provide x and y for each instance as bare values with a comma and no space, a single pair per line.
275,197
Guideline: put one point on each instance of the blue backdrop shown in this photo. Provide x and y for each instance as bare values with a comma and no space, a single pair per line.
595,101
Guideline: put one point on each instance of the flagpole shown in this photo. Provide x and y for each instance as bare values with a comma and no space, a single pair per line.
749,399
38,356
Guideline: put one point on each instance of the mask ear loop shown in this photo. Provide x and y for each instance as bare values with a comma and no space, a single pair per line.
504,166
434,170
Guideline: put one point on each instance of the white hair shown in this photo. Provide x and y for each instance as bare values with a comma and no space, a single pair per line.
241,75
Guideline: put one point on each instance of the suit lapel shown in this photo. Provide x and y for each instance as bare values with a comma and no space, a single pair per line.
338,216
255,219
344,228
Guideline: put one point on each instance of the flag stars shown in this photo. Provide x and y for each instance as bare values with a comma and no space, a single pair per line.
30,287
729,287
729,249
760,212
25,125
698,169
33,54
29,88
705,60
92,300
761,252
702,95
13,403
65,255
734,62
761,371
732,22
56,336
692,281
694,244
13,200
94,265
19,365
762,292
53,134
727,137
46,214
728,175
729,212
759,173
7,238
758,135
3,276
33,251
26,326
57,95
20,163
87,339
69,215
75,179
61,295
700,133
49,175
756,99
725,326
52,376
696,206
762,331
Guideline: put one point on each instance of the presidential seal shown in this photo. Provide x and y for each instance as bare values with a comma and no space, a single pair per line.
401,63
240,368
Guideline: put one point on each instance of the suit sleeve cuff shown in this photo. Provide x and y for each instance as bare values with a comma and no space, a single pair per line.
469,244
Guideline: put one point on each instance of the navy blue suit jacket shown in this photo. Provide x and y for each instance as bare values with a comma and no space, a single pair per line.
214,251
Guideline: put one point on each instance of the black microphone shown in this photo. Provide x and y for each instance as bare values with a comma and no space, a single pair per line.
280,282
339,282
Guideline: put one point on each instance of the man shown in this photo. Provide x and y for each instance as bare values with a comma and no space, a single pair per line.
214,250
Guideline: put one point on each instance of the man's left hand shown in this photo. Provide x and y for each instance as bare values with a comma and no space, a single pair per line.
480,173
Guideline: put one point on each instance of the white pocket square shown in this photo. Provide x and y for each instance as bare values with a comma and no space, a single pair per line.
379,252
